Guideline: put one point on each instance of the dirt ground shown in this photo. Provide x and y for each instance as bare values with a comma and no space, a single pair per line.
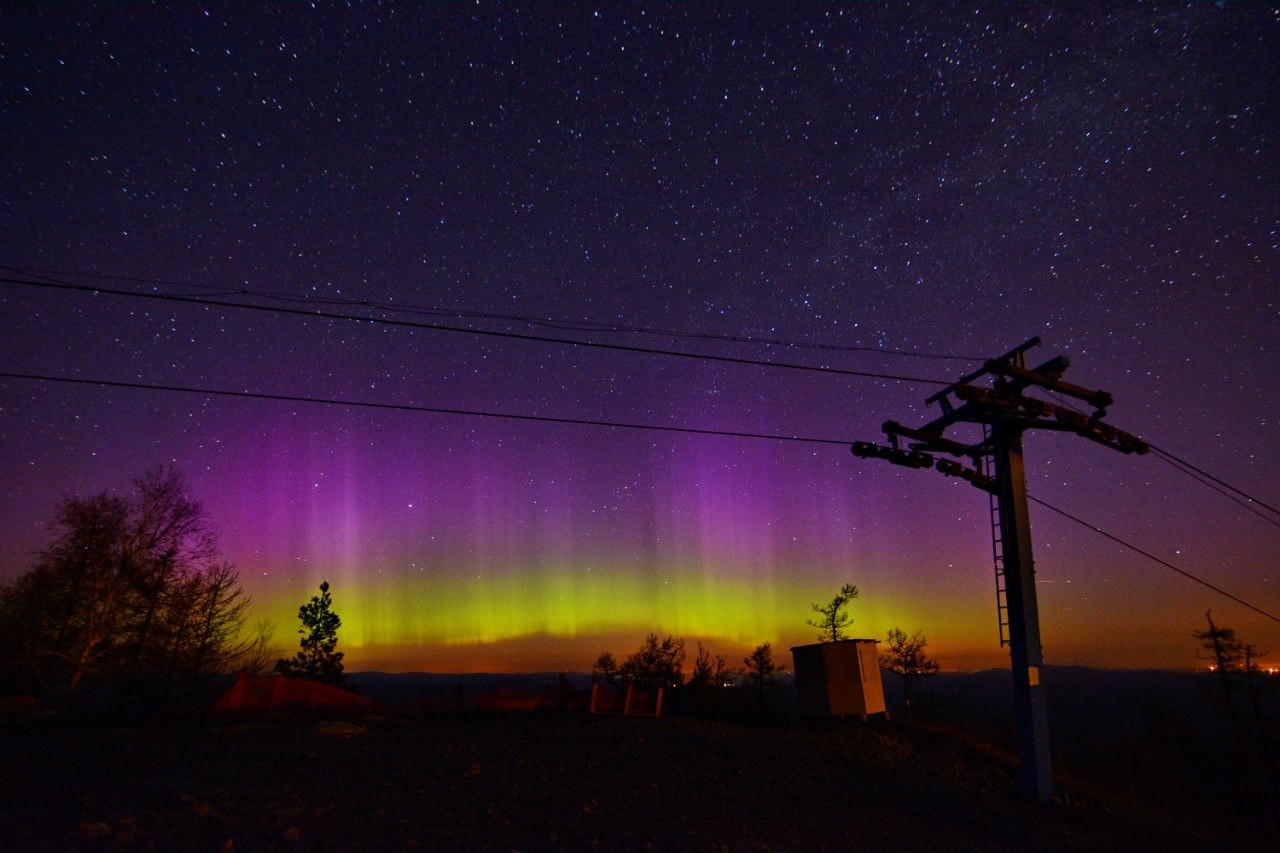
537,782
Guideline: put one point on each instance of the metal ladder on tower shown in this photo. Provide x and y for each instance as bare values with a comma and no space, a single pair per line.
997,545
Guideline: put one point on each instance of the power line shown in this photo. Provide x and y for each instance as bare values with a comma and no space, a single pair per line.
325,315
404,407
1183,464
1153,557
582,326
1206,482
1191,470
1245,500
1204,478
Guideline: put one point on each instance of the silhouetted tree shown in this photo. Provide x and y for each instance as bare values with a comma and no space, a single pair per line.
907,657
1256,687
708,670
169,536
1236,670
760,668
704,689
260,652
657,663
1225,653
122,590
210,621
69,614
318,659
834,619
606,667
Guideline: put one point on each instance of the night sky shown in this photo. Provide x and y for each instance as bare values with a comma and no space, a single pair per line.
899,190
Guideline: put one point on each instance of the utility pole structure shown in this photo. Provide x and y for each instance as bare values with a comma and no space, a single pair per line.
998,469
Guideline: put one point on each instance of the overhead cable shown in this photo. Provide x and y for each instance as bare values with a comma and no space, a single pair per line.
575,325
1240,497
1189,468
386,321
1153,557
402,407
405,407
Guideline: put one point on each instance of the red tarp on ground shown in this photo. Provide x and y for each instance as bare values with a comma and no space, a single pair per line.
254,694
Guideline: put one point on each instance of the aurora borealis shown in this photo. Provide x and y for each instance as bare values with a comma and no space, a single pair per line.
898,190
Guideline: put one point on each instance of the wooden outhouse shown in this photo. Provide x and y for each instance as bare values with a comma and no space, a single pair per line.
839,679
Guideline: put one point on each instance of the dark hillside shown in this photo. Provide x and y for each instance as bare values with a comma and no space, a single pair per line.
1159,740
531,782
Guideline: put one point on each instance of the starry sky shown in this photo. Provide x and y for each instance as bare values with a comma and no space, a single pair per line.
897,189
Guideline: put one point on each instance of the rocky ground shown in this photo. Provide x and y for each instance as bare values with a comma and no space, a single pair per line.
544,781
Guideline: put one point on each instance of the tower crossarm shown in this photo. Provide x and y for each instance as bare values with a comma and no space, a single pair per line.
1017,356
1049,377
930,440
916,458
985,405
